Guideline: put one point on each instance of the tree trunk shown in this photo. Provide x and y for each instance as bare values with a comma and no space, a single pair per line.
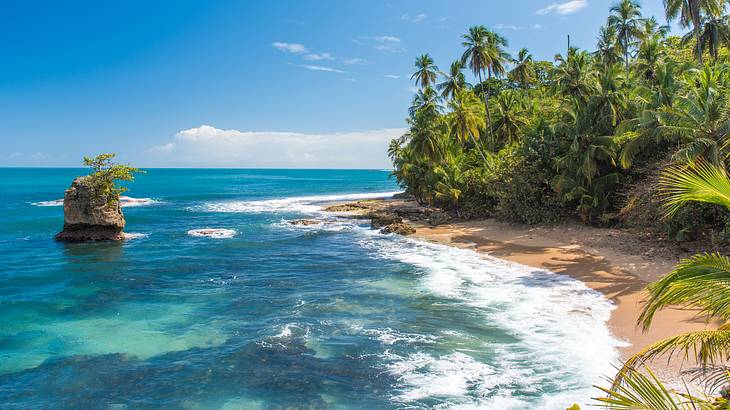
699,44
626,55
479,147
486,108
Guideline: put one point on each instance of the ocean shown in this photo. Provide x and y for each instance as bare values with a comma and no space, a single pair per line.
269,315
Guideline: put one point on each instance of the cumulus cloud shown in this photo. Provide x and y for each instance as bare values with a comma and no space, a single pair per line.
294,48
563,9
208,146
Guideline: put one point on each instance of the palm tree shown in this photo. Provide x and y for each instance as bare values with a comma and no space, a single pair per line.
714,32
650,28
426,71
573,77
624,18
607,49
650,53
690,13
425,99
701,282
522,72
484,56
700,119
466,118
511,118
453,81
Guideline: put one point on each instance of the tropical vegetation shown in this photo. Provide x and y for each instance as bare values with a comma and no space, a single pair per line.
106,175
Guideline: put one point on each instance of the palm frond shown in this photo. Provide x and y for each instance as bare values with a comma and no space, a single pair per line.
639,391
699,181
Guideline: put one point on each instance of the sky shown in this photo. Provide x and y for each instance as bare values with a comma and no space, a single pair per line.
244,84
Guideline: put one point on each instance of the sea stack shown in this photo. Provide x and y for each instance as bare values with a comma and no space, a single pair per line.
89,215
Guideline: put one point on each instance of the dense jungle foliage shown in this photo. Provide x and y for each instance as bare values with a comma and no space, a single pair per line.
582,136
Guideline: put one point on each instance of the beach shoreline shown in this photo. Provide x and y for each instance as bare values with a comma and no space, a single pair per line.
614,262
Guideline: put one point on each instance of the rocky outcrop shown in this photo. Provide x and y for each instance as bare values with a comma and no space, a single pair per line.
400,228
88,216
381,219
305,222
349,207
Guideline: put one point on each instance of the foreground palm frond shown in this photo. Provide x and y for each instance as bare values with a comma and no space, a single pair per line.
646,391
701,282
699,181
706,346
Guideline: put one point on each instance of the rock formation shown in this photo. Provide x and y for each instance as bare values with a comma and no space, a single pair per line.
88,216
400,228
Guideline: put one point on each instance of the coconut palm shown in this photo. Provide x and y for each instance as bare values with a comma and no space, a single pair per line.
690,13
466,118
700,119
625,17
453,81
510,118
485,56
426,71
650,28
714,32
607,50
522,73
651,51
425,99
573,76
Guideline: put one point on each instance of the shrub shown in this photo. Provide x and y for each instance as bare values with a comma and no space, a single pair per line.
105,175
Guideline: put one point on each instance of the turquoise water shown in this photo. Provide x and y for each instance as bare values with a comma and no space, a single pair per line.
268,315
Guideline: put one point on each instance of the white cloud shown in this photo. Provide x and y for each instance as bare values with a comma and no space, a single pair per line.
393,76
388,44
294,48
563,9
318,57
537,27
388,39
414,19
507,27
353,61
322,68
206,146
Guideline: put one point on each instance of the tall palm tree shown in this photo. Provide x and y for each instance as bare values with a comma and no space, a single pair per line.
453,81
690,13
485,56
426,71
714,32
625,17
522,72
701,282
607,48
466,118
650,28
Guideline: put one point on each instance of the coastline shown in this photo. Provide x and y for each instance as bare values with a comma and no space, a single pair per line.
614,262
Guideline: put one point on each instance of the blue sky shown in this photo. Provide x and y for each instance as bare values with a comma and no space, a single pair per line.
304,84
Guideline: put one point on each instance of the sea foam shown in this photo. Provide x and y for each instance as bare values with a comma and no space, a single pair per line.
125,201
564,345
301,204
214,233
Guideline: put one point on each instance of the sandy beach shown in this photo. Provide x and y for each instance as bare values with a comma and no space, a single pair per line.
615,262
